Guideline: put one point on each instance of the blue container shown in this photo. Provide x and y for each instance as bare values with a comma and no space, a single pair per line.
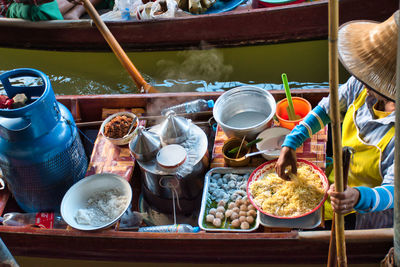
41,154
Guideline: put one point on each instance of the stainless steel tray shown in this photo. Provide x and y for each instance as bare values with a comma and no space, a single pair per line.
201,221
309,221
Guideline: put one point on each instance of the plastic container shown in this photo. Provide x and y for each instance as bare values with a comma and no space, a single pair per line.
124,7
190,107
274,3
301,107
47,220
173,228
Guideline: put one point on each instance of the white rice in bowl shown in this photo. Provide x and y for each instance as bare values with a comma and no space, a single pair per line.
102,208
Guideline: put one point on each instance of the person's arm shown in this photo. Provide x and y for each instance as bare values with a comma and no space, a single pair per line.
375,199
312,123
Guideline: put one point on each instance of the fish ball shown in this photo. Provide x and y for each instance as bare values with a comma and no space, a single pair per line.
243,207
210,218
242,213
212,211
252,213
236,209
238,202
235,223
242,218
228,213
234,216
251,207
221,203
250,219
219,215
231,205
217,222
244,225
221,209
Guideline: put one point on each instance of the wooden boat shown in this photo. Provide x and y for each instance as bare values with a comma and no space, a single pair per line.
261,246
239,27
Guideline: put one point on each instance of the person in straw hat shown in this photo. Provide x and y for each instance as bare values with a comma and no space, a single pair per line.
368,51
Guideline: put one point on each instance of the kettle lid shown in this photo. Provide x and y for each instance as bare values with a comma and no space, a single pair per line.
174,129
145,144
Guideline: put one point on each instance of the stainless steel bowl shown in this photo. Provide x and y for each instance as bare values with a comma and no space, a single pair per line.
245,111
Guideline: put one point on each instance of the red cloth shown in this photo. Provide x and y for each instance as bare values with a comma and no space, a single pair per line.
5,102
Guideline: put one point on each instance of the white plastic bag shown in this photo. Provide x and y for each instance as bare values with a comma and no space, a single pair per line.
156,10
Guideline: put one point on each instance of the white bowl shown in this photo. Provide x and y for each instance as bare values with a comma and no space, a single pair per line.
272,139
78,195
126,139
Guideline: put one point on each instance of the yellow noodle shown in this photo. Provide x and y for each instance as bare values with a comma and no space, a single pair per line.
278,197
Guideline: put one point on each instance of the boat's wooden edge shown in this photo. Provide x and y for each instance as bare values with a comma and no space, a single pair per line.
21,23
365,235
15,22
240,27
363,246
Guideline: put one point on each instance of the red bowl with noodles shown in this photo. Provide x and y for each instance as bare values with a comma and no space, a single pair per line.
300,197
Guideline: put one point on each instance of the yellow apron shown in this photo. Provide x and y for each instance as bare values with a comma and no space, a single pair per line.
365,162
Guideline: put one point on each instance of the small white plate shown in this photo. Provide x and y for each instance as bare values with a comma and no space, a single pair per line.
272,138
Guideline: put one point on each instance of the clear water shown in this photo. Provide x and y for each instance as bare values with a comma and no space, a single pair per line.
305,63
246,119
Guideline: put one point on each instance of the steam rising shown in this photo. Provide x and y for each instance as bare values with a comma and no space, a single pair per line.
205,65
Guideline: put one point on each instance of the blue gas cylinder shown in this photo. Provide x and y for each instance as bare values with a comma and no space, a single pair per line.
41,154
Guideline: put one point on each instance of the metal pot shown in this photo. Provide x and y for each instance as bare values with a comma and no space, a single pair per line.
244,111
184,183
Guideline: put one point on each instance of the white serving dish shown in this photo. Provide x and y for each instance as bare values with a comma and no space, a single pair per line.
77,197
272,139
201,221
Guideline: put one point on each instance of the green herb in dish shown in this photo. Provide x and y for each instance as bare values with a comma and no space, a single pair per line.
249,144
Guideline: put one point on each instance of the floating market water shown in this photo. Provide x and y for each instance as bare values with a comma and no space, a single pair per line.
305,63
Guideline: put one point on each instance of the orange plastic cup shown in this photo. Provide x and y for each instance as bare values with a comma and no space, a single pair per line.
301,107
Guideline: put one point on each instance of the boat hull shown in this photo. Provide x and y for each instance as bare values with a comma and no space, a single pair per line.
241,27
262,246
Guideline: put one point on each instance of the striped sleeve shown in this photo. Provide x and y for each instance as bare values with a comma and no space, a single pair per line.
375,199
312,123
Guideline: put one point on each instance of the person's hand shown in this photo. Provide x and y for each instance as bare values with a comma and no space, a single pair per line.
286,158
343,202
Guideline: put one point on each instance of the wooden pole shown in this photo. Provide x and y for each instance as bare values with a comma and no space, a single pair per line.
335,124
142,85
396,223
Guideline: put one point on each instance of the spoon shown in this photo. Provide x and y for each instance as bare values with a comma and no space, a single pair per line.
130,128
259,152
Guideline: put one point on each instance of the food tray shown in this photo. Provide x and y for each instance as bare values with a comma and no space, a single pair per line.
205,202
309,221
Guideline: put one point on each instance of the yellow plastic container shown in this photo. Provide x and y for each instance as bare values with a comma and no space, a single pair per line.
301,108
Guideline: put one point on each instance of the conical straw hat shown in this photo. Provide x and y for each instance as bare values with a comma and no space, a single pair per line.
368,50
